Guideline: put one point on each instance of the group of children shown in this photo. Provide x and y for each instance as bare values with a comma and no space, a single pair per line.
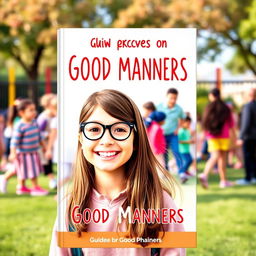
162,136
29,145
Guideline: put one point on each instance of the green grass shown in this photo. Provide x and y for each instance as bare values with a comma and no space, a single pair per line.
226,220
26,222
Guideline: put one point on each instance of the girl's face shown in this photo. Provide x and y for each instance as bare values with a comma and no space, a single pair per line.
29,113
106,153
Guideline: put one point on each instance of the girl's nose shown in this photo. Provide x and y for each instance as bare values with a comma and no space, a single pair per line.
107,139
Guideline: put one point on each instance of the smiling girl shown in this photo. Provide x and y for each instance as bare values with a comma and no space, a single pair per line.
115,168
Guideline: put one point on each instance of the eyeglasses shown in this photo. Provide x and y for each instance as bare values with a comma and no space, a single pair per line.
118,131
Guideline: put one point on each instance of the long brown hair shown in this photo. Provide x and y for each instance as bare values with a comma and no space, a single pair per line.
143,171
215,116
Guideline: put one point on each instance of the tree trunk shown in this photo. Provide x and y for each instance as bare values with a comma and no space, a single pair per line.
33,76
33,86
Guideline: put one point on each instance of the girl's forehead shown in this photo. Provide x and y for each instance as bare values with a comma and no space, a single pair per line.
100,115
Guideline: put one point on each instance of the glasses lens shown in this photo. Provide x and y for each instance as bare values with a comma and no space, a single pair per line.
93,131
120,131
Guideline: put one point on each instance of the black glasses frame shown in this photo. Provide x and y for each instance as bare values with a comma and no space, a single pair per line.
105,127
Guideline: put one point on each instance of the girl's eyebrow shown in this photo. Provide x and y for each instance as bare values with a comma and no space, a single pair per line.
97,121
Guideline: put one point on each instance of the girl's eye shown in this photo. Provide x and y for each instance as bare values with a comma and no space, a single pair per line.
120,130
94,130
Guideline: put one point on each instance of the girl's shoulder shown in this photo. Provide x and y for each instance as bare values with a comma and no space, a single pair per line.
168,201
18,125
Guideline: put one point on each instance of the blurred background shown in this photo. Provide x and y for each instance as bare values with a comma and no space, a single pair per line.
226,59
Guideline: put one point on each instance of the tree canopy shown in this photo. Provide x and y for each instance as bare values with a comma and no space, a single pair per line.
28,28
220,23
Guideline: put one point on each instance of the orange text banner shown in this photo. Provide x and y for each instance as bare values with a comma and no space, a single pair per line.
119,240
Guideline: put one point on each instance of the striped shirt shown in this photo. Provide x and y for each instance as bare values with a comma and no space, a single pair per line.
26,137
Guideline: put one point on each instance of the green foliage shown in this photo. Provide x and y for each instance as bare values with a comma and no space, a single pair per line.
202,92
220,23
247,27
201,101
201,104
27,25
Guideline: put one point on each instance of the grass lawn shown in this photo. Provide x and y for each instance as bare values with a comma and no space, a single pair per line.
226,221
26,222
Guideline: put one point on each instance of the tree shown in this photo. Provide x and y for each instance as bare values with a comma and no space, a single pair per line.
29,27
220,23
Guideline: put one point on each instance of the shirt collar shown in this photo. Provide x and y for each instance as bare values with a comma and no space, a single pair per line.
99,197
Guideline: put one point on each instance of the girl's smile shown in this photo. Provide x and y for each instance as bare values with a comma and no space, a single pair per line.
106,153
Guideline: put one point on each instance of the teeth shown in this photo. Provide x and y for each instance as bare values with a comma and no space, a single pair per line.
107,154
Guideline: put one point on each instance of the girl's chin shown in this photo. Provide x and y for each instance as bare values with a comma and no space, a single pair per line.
109,168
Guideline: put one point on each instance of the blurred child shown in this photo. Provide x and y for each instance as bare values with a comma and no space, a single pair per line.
44,120
235,151
25,143
219,127
52,150
156,135
185,139
12,119
174,113
1,136
147,109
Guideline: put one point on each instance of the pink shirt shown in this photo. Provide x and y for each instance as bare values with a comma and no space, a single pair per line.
100,201
224,134
156,138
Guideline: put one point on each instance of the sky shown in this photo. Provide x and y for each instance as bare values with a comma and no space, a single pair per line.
207,70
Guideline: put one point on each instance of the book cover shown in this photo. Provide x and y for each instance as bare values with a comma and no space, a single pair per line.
126,111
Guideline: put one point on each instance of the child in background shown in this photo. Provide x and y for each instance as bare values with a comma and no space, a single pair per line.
1,136
185,140
218,125
174,114
25,143
115,167
44,120
147,109
52,149
236,150
12,119
156,135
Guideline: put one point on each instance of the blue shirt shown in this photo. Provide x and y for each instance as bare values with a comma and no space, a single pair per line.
172,117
